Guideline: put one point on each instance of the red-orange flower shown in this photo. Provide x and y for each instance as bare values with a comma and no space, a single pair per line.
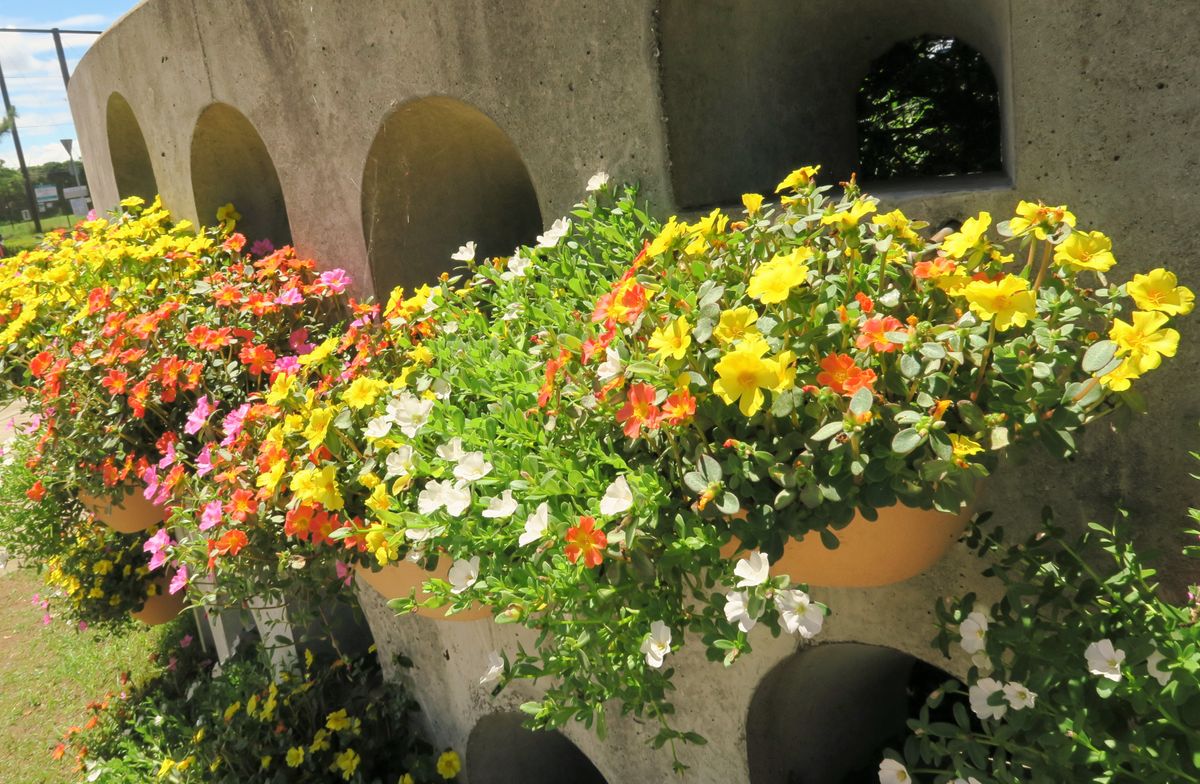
934,268
230,543
865,303
679,407
839,373
40,364
37,492
258,358
552,368
639,410
585,541
242,505
623,304
873,333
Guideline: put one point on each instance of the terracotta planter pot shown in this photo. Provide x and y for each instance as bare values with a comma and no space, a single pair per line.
399,579
128,515
161,607
901,543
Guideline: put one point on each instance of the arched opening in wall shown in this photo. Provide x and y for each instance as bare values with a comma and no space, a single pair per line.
782,89
929,107
127,151
231,165
501,751
825,714
440,174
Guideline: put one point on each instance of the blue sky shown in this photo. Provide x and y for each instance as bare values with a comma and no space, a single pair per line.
31,69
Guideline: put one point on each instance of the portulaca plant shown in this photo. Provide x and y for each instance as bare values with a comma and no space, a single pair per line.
1084,671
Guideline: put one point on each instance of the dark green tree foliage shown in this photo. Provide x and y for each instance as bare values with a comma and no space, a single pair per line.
929,107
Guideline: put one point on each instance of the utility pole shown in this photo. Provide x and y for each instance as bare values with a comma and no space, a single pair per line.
8,108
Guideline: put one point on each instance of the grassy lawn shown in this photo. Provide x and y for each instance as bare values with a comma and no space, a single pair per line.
48,674
20,236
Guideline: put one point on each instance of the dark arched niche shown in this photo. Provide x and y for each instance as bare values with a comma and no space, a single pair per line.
825,714
501,751
440,173
781,89
230,164
127,150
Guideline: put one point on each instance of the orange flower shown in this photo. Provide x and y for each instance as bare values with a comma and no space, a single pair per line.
839,373
258,358
585,541
865,303
873,333
231,543
37,492
935,268
40,364
242,505
552,368
679,407
115,382
623,304
639,410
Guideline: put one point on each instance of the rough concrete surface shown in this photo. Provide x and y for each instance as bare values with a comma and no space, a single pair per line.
697,101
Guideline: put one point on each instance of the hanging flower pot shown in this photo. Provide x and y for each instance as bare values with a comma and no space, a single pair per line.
400,578
128,514
901,543
161,606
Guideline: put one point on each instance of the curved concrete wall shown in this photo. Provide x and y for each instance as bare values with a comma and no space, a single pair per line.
1100,110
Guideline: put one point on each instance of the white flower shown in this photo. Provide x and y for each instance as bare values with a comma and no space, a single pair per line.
657,644
798,613
1018,696
378,427
455,498
974,632
422,535
1104,660
440,388
535,526
494,671
463,574
409,412
968,780
556,232
452,450
978,696
1156,672
983,662
597,181
512,312
754,569
618,498
465,253
611,366
502,505
737,611
399,463
515,268
892,772
472,467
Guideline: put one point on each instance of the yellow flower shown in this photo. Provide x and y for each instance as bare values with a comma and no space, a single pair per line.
703,230
295,757
737,324
347,763
265,761
165,768
752,202
1085,250
102,567
800,177
407,779
320,741
280,388
421,355
185,763
785,371
363,391
320,485
1008,300
449,765
672,231
774,280
1120,378
320,353
227,215
1040,219
672,340
964,447
1157,290
252,705
743,376
232,709
845,220
96,593
318,425
900,225
379,500
337,721
269,480
967,239
1144,341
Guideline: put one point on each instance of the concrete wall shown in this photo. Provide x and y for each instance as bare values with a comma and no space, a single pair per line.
697,100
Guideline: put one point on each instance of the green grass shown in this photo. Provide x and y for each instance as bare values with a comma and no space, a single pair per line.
21,236
48,675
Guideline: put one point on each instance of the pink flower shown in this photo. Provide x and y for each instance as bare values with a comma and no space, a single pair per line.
150,477
344,573
199,416
185,641
46,619
290,296
211,516
157,545
336,280
168,458
180,580
298,342
287,364
263,247
82,626
204,461
233,423
172,661
91,215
